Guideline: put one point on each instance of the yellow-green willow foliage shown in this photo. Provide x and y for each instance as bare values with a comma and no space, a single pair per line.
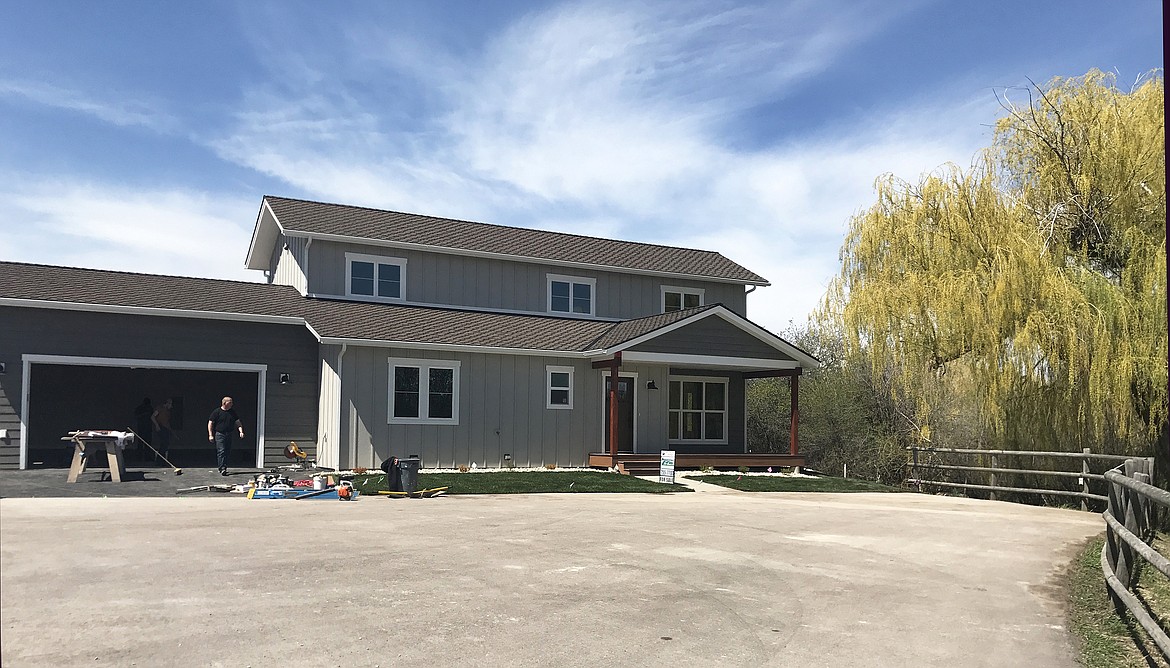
1034,282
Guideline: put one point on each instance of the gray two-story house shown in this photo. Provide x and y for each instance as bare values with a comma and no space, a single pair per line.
383,334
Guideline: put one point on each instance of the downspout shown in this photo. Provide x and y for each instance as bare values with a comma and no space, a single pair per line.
305,290
340,403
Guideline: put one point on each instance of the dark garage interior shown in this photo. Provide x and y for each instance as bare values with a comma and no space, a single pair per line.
65,398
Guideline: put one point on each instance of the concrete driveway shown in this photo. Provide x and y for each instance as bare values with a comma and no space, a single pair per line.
710,579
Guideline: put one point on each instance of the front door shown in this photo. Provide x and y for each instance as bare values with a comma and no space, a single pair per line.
625,399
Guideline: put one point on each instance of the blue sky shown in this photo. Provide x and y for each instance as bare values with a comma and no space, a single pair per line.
142,135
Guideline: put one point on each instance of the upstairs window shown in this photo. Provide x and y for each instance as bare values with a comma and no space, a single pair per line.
677,299
375,277
571,294
698,410
424,391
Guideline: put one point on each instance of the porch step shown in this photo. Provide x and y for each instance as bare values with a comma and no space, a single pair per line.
640,466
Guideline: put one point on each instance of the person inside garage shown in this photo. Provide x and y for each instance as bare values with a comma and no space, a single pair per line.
162,428
220,426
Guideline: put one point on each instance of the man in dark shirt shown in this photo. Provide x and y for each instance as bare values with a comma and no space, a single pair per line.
220,425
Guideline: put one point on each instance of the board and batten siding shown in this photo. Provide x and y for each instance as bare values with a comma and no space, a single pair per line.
501,410
288,267
711,336
290,409
441,278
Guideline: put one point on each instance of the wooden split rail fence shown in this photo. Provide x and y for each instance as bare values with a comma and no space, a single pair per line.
925,460
1130,521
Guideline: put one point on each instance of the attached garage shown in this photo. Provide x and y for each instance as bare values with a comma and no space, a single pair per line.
70,393
80,366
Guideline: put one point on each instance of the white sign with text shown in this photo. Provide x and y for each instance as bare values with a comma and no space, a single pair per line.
666,467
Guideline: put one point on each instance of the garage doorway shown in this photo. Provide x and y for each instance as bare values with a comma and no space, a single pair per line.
62,394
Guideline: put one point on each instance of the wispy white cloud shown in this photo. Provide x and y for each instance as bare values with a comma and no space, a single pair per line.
101,226
123,112
610,119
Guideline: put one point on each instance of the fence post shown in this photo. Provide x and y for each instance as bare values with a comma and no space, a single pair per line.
917,477
1132,509
1085,477
992,478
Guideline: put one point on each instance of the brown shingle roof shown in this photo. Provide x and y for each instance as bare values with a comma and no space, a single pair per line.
329,318
339,319
315,218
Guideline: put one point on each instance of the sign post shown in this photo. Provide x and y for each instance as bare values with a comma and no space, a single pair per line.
666,467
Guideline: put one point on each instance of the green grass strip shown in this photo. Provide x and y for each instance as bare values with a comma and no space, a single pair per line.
526,482
1107,640
761,483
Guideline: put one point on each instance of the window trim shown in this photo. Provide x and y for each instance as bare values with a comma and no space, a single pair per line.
571,280
723,380
350,258
549,370
701,292
424,367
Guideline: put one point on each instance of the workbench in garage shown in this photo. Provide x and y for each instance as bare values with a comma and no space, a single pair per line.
86,444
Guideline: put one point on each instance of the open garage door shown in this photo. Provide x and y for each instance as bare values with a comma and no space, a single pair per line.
63,394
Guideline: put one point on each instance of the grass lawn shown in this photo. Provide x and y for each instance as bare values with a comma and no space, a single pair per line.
1107,639
525,482
760,483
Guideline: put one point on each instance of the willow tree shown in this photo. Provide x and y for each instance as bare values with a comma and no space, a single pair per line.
1035,281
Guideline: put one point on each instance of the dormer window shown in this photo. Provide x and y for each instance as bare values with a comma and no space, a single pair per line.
571,294
375,277
677,299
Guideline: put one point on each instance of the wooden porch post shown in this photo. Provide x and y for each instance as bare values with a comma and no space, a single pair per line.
794,416
613,405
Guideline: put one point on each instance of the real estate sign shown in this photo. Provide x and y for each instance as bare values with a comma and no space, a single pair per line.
666,467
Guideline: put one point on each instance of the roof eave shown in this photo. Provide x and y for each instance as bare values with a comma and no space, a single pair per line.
264,237
384,243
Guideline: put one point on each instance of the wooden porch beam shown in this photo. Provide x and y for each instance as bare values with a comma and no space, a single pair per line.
794,416
775,373
615,364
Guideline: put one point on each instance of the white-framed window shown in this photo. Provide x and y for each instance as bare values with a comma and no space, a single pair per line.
677,299
559,392
375,277
698,410
423,391
572,294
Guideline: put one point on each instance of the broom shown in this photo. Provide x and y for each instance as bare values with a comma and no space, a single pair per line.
178,471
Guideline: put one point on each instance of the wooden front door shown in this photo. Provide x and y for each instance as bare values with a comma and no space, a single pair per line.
625,398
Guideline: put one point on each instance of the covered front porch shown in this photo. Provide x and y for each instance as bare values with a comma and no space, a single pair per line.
679,384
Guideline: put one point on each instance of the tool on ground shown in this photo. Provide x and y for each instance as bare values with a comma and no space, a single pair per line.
178,471
204,488
293,451
419,494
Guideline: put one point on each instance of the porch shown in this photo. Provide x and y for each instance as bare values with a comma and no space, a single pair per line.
641,463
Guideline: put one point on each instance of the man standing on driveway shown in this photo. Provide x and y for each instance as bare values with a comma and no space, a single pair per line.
220,425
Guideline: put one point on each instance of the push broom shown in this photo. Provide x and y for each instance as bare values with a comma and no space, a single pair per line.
178,471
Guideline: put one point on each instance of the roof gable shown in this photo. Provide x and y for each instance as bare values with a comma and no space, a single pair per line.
407,230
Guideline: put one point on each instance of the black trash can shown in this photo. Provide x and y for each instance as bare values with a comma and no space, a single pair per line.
408,474
390,466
